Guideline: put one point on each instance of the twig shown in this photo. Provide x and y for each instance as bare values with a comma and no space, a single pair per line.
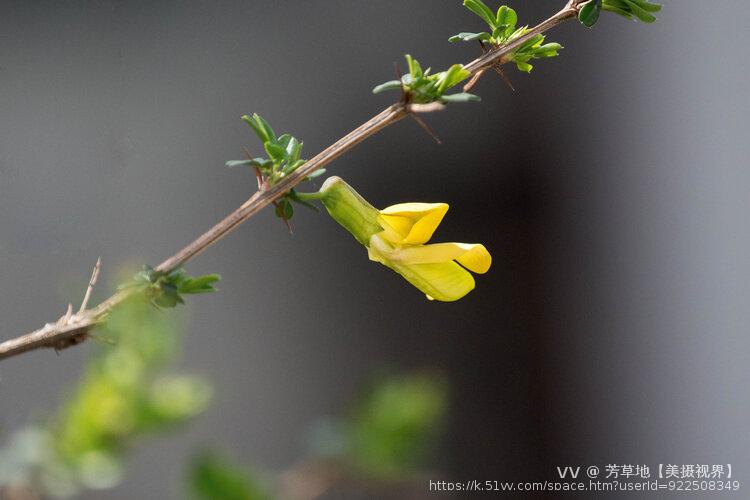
92,282
426,128
505,78
474,80
63,334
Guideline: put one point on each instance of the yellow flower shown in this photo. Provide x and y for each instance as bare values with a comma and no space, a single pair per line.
397,237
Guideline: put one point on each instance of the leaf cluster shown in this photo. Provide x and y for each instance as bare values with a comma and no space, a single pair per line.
642,10
503,30
421,87
166,289
283,158
283,151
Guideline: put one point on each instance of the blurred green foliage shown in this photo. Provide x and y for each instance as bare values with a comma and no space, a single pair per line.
215,478
125,392
394,424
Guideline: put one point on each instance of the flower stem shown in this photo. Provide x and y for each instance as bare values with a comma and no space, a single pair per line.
317,195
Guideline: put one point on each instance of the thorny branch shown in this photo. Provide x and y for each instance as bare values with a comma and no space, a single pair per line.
73,329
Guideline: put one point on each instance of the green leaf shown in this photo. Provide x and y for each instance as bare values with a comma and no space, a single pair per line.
263,124
468,37
460,97
293,149
291,167
239,163
275,151
641,9
531,43
167,300
283,140
284,209
648,6
391,85
453,76
524,66
620,8
262,163
261,128
640,12
479,8
518,32
415,70
589,13
506,21
547,50
201,284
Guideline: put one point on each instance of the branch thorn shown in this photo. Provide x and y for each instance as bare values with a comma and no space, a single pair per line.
90,288
474,79
505,78
426,127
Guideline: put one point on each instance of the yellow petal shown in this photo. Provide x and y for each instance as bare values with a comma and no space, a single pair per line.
414,209
476,259
395,228
414,223
473,256
443,281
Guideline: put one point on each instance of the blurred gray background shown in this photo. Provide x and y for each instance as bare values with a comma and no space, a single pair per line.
611,187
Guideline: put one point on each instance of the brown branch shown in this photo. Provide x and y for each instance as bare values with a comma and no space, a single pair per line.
75,328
